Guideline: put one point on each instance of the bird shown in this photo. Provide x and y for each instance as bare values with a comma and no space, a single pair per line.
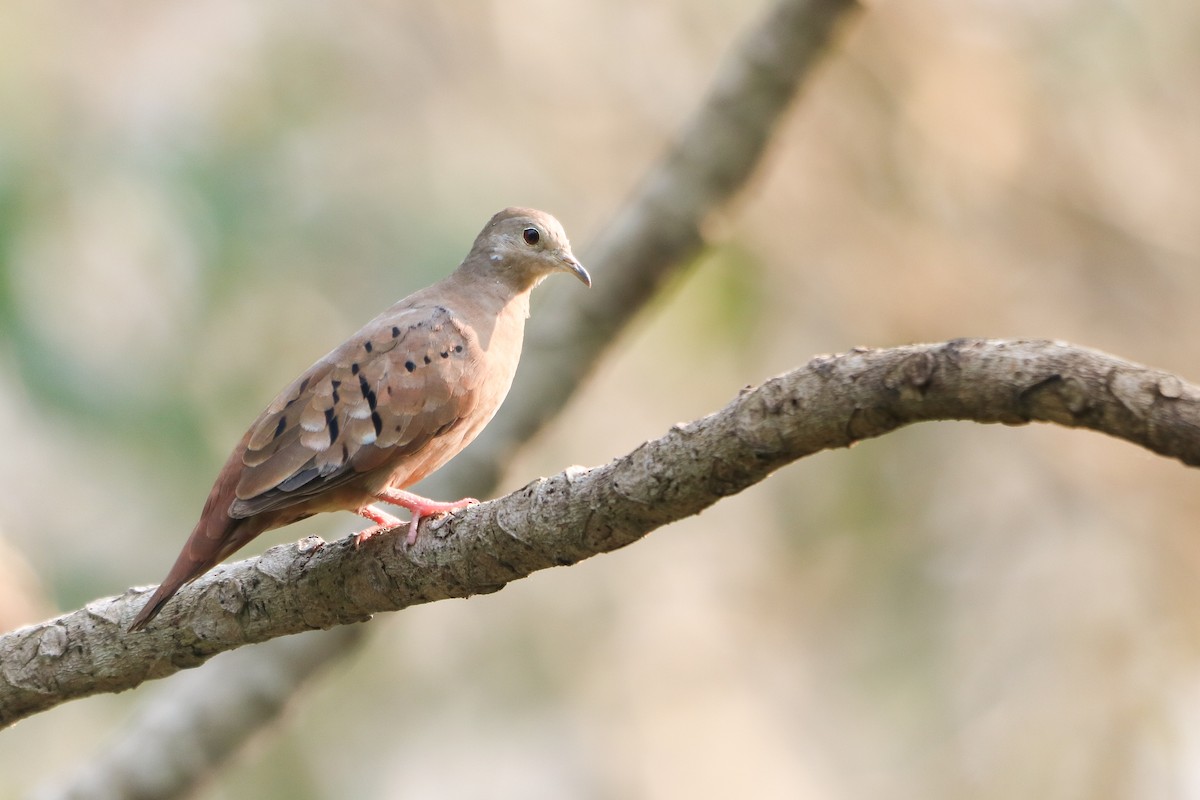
387,407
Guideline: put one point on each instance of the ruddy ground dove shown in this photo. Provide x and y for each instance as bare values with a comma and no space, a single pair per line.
392,404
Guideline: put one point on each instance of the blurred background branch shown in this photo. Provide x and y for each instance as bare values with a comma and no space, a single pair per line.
657,232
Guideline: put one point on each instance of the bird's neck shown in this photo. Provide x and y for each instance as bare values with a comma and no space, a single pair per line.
503,320
497,290
486,304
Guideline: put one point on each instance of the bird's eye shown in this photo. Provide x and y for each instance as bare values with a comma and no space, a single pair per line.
532,236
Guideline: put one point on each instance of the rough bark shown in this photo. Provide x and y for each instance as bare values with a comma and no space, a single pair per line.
833,401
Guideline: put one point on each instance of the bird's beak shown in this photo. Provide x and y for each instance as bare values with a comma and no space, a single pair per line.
575,268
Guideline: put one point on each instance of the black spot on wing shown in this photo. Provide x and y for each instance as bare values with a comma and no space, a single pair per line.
331,422
367,392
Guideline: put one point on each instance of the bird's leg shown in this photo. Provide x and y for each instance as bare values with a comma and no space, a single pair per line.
384,522
420,507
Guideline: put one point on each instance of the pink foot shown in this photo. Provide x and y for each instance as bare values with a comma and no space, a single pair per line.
419,507
384,522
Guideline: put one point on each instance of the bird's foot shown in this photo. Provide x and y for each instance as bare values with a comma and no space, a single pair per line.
420,507
384,522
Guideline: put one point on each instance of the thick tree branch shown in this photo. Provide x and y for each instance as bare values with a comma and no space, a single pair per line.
834,401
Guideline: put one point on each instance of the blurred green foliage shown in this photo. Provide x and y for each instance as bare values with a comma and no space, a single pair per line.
196,201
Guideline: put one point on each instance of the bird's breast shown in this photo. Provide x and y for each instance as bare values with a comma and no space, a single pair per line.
490,363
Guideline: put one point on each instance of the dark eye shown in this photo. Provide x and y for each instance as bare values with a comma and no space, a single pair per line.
532,236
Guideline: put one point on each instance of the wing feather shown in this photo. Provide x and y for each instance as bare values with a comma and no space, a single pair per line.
386,394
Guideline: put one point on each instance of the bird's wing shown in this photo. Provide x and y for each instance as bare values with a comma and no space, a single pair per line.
406,378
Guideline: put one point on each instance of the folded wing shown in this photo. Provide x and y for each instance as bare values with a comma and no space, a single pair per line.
385,395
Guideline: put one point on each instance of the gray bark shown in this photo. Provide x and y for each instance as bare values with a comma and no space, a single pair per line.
834,401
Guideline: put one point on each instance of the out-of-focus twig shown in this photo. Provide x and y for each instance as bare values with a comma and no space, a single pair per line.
661,227
166,753
656,232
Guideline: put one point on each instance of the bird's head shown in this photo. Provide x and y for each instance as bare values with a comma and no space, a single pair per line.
522,246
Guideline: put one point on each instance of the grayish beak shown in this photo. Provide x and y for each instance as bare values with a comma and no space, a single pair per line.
575,268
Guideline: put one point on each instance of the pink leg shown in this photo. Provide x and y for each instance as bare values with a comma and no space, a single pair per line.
419,507
384,522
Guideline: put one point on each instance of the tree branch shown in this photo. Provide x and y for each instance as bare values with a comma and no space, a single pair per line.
834,401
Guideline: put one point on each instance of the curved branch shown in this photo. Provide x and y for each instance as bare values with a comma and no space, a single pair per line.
833,401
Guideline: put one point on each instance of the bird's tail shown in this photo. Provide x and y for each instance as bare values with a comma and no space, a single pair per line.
211,541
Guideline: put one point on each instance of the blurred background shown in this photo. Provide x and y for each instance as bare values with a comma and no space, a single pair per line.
198,200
